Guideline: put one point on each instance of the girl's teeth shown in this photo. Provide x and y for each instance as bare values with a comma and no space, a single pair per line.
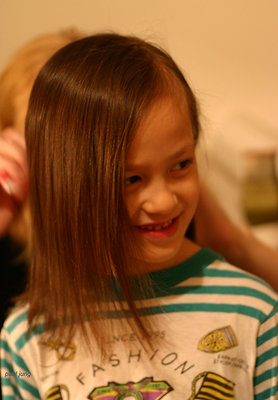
157,227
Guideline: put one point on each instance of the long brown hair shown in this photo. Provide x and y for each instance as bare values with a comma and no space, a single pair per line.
85,107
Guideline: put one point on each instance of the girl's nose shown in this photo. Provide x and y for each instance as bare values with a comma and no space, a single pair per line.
160,198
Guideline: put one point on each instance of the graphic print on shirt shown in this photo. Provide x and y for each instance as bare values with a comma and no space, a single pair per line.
211,386
58,351
146,389
58,392
218,340
205,385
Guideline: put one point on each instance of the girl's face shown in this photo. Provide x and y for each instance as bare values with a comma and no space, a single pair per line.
161,183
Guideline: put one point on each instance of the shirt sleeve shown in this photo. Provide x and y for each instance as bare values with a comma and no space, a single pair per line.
17,382
266,369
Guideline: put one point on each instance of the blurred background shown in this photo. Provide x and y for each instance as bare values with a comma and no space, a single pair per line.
228,51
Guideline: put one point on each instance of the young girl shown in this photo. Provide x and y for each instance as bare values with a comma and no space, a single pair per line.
120,303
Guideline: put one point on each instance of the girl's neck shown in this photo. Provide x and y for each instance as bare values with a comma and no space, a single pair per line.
188,249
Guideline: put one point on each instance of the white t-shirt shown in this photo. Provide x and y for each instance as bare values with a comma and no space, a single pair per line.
216,339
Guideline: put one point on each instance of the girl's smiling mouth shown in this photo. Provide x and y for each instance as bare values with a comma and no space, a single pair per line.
160,230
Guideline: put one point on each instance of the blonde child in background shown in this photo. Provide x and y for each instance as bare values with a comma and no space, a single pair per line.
120,303
16,81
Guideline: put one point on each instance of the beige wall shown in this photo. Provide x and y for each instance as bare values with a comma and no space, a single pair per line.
228,48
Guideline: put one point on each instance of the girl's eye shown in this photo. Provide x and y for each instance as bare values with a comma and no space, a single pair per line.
132,179
181,165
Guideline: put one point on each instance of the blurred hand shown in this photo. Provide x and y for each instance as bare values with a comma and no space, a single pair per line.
13,176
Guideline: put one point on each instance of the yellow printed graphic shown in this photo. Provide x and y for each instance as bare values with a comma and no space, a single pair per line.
211,386
59,392
218,340
64,352
147,388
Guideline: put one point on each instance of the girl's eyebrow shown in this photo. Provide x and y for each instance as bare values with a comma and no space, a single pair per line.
185,151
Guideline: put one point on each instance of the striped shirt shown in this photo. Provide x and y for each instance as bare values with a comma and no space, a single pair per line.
215,336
